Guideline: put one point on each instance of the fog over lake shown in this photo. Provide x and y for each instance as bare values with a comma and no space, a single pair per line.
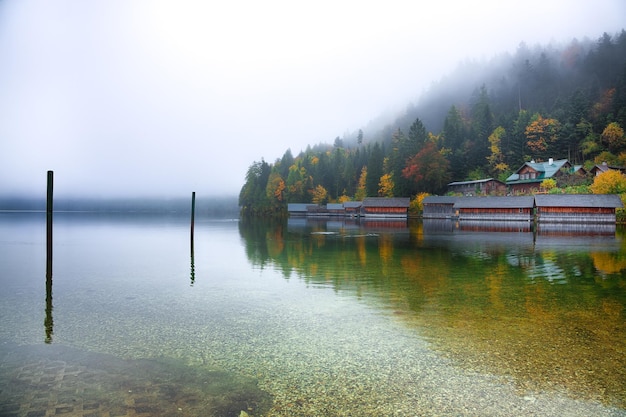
161,98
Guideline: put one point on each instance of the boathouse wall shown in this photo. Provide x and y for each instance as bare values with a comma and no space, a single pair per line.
495,208
438,207
500,214
577,208
581,215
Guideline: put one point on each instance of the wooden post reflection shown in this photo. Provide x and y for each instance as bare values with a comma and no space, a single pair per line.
48,322
193,270
193,214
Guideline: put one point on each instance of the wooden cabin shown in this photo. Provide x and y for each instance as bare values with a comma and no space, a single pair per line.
485,186
299,209
577,208
438,207
495,208
352,208
604,167
335,209
385,207
528,178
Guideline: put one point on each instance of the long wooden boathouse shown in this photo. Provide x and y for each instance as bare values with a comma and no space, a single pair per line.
495,208
546,208
374,207
386,207
577,208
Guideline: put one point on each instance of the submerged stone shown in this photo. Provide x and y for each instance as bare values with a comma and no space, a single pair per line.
51,379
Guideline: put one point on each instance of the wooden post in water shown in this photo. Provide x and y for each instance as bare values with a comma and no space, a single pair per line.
49,211
193,215
48,322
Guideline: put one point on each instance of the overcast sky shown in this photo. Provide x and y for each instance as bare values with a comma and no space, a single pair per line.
160,98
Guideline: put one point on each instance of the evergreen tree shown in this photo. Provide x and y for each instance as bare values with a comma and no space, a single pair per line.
374,170
453,139
252,197
482,126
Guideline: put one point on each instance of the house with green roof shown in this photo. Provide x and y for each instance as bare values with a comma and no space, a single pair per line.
528,178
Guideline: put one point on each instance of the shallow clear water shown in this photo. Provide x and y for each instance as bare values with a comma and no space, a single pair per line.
309,318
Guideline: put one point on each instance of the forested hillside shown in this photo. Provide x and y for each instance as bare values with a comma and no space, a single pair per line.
484,120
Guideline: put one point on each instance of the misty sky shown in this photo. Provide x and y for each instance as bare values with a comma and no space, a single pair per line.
160,97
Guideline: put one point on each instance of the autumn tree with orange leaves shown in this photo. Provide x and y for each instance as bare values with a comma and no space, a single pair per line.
541,133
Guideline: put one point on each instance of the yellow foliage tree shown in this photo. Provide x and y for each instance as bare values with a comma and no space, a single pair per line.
416,206
609,182
275,187
319,195
343,198
496,159
548,184
361,192
385,186
540,132
613,136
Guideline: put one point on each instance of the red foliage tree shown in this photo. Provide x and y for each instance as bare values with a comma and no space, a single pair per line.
428,169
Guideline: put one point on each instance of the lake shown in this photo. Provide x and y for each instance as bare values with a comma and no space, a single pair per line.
309,317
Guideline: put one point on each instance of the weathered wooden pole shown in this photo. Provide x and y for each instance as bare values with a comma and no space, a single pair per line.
193,215
48,322
49,212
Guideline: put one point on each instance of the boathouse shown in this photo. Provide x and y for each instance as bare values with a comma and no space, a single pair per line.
478,187
300,209
352,208
335,209
577,208
385,207
495,208
438,207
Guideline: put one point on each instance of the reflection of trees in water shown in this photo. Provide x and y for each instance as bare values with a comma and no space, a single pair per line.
547,310
609,263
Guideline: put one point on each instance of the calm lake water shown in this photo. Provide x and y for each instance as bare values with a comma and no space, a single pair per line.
309,318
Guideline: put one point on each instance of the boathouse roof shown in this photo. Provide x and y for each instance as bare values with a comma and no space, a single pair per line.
299,207
436,199
579,200
495,202
386,202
